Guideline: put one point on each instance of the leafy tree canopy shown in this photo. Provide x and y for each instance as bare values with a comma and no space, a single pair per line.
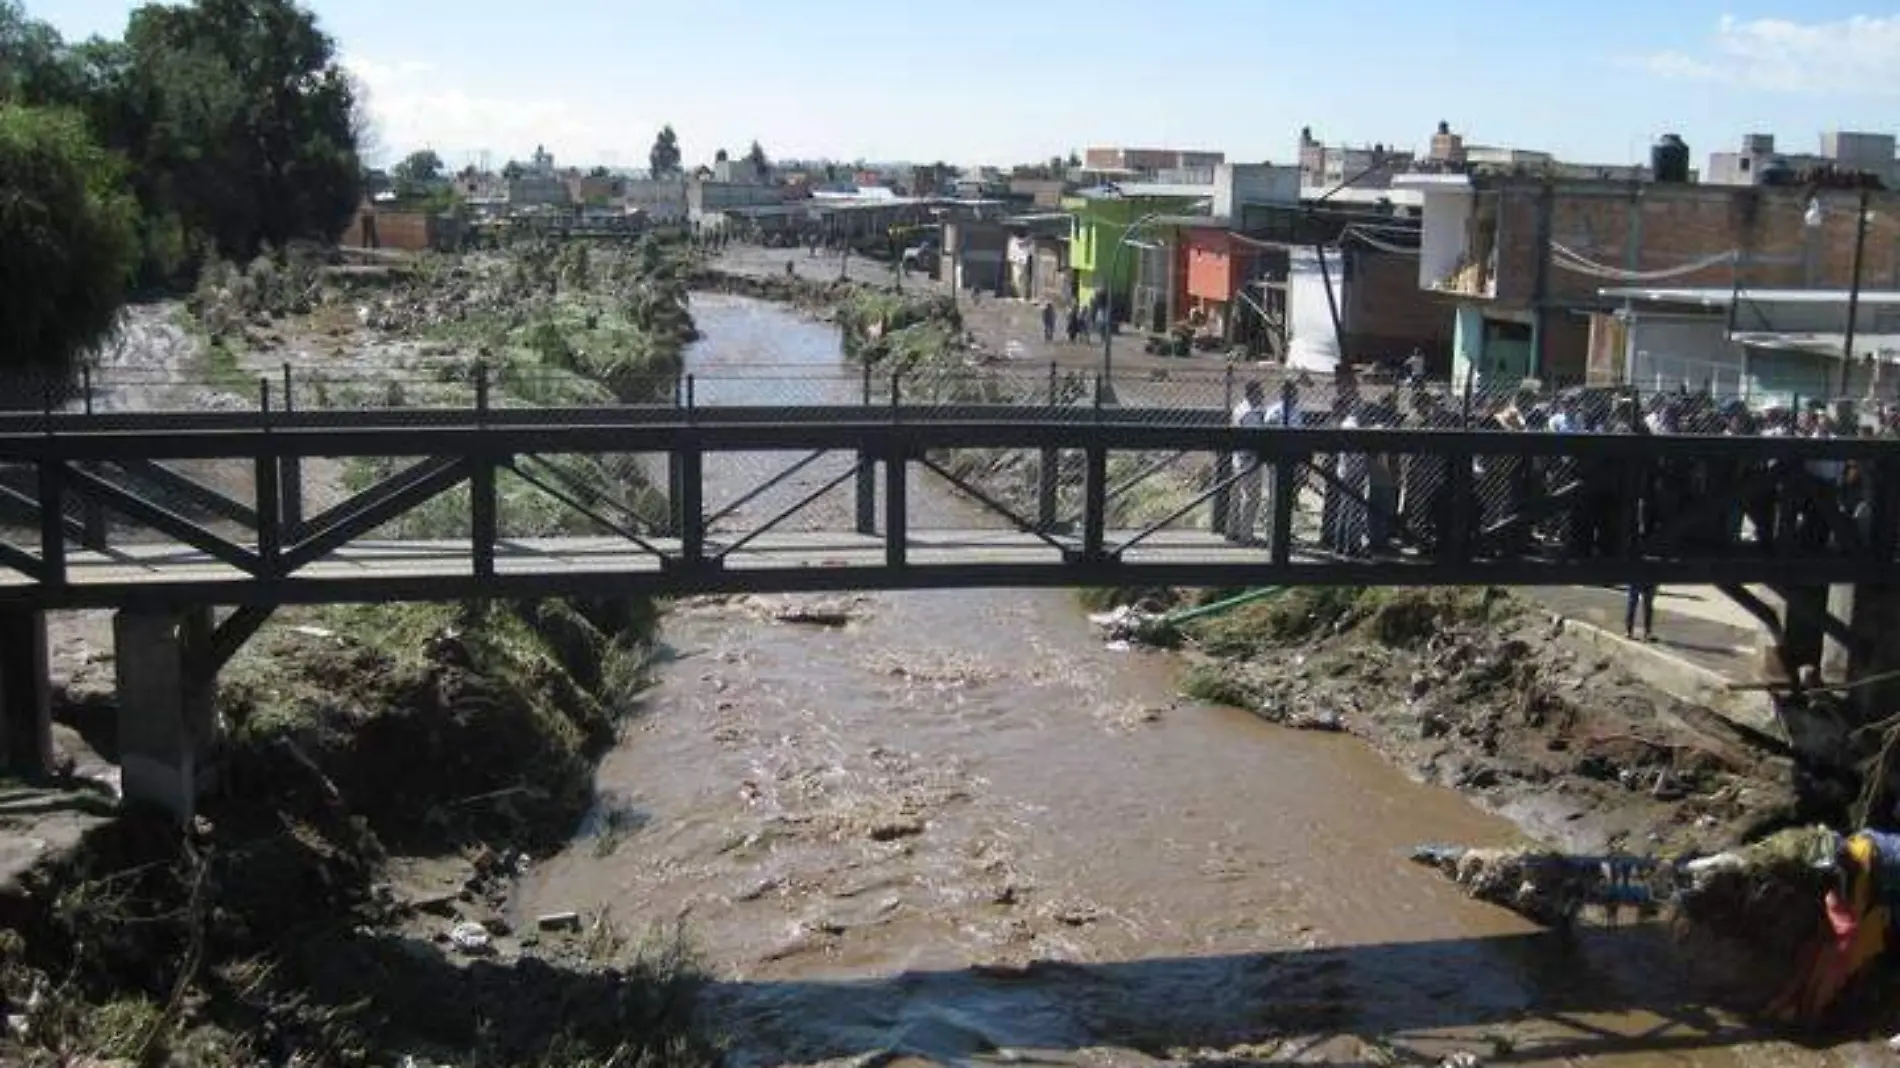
67,237
664,158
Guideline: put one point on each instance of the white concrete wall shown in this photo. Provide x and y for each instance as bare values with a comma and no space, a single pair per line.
1237,184
1667,352
1442,238
1313,345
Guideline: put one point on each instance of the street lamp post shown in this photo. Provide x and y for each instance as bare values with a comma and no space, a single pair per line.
1108,302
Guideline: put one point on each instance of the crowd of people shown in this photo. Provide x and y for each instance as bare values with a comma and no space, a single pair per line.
1561,507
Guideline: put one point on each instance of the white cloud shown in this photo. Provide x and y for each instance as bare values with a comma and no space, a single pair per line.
1859,56
415,105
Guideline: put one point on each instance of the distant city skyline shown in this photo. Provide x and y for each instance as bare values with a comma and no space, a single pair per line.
1002,84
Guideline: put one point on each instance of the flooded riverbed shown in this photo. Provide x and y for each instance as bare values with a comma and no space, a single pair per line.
958,826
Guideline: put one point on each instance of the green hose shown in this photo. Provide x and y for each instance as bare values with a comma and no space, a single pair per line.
1185,615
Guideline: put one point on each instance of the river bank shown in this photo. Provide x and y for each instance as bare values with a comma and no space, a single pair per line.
387,771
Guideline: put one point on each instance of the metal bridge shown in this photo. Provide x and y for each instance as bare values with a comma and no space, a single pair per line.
112,516
168,516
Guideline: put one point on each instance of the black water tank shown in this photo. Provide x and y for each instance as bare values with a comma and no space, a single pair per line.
1669,160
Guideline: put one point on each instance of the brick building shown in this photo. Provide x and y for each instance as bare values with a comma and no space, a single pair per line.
400,229
1524,260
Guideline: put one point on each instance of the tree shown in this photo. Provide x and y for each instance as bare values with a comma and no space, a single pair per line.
756,156
720,156
67,238
36,67
1074,160
664,159
512,171
598,172
417,172
237,118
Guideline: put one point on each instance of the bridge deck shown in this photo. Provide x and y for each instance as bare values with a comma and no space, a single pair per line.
169,564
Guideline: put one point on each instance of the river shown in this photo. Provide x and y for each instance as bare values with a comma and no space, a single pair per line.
959,825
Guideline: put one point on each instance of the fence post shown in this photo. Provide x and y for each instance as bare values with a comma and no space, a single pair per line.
1465,404
1054,398
85,382
268,490
867,386
290,472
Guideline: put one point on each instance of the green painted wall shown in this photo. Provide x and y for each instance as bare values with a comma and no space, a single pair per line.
1098,226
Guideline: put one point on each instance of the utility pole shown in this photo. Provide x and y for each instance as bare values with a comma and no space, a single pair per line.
1540,286
1853,293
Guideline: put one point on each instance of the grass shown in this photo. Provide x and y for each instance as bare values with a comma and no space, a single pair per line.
1216,684
1392,616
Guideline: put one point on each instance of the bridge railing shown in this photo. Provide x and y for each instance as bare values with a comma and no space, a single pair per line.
217,505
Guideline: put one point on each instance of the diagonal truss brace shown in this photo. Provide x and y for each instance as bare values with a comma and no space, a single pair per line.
373,508
86,484
585,510
1022,525
796,507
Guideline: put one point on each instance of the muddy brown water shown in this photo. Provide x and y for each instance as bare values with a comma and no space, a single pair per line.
959,829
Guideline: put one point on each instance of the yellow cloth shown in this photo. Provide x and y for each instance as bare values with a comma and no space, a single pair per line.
1870,937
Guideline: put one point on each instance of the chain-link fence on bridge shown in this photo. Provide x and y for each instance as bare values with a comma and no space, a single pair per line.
1350,504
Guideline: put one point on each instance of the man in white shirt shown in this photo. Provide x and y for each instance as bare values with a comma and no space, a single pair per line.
1243,511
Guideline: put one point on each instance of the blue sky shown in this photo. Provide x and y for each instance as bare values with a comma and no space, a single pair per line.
997,81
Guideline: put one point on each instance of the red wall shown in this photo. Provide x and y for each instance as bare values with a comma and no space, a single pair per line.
1211,271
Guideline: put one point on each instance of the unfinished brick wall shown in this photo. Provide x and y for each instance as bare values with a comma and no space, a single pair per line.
410,231
1653,227
1386,314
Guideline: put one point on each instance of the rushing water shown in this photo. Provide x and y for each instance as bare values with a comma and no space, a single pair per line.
959,825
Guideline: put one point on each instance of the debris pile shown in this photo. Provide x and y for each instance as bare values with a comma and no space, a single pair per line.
1551,888
1136,624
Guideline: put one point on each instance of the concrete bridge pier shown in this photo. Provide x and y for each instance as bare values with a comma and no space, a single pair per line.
167,725
1870,662
26,693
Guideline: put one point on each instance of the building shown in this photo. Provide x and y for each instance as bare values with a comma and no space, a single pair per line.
1039,257
1451,152
1045,193
660,199
1524,260
377,226
1147,162
711,196
1104,220
1758,163
975,255
1767,346
1363,167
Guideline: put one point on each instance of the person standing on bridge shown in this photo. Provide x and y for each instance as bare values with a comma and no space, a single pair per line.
1048,322
1243,466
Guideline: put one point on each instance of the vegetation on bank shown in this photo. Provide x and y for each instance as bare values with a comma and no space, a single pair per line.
270,934
901,330
367,738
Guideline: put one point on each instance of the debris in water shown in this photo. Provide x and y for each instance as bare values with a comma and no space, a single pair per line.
892,828
1128,625
1546,887
558,921
472,939
816,615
